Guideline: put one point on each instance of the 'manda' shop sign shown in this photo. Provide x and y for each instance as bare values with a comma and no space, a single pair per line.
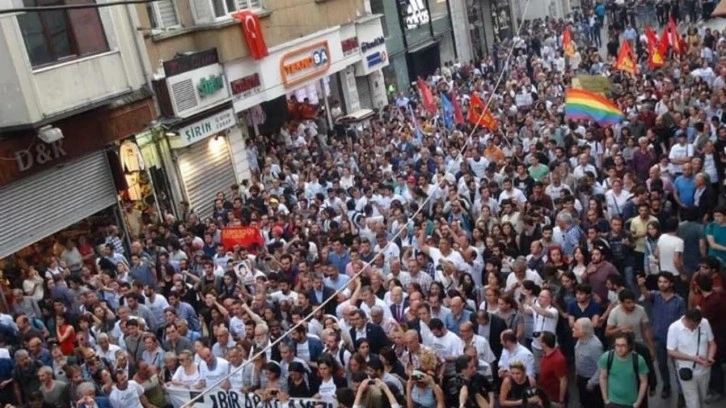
204,128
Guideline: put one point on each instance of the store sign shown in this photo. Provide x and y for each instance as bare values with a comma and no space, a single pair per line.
349,46
40,154
210,85
300,65
415,13
246,86
190,62
376,58
195,91
365,46
205,128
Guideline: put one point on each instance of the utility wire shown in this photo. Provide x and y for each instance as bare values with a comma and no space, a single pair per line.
197,397
74,6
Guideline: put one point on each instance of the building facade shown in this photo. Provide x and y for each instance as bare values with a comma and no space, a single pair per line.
74,86
225,71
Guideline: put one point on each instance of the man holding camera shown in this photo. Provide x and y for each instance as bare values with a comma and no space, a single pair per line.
692,346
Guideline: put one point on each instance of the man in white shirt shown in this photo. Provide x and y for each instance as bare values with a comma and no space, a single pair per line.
446,344
212,369
680,154
670,252
691,344
480,343
127,394
511,351
545,319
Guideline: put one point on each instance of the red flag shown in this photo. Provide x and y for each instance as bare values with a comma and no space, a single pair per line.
252,31
458,115
664,41
675,39
652,38
480,115
427,98
626,59
567,43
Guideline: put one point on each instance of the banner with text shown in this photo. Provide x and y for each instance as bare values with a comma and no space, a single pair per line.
219,398
242,236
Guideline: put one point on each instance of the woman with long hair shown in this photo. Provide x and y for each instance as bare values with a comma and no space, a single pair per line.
329,379
580,260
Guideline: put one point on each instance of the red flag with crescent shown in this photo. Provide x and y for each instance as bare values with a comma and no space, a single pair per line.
252,31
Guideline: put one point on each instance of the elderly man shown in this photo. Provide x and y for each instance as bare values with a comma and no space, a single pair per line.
105,349
457,316
379,318
224,343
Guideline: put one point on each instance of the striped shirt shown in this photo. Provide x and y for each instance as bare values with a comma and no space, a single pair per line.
664,313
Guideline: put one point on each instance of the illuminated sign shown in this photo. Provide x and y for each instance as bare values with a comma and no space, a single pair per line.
246,86
365,46
210,85
300,65
376,58
416,13
349,46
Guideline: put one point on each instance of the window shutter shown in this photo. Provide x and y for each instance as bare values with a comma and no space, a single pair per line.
248,4
202,10
167,14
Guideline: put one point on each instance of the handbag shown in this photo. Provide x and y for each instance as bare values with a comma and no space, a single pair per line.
686,373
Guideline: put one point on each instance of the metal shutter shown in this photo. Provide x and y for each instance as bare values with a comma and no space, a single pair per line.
45,203
206,169
167,14
364,92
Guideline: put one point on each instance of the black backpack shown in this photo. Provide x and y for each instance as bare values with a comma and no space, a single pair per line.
635,355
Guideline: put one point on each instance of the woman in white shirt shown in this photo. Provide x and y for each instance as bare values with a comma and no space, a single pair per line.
616,198
33,285
187,374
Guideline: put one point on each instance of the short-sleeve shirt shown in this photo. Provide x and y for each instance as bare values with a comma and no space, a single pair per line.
552,368
619,318
622,381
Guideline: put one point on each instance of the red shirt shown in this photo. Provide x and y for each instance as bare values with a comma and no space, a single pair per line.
552,368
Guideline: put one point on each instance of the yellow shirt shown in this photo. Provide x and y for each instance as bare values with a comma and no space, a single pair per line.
638,227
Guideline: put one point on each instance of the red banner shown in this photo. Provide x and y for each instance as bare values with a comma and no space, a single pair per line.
243,236
252,31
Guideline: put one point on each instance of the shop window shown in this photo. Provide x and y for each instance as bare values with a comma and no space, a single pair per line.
162,14
61,35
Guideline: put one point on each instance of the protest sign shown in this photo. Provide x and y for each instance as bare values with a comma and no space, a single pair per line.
219,398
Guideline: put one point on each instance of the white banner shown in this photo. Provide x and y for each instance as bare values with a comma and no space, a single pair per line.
219,398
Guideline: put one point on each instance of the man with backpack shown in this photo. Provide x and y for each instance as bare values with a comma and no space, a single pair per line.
623,374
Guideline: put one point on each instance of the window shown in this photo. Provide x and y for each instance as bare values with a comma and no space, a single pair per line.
224,7
59,35
162,14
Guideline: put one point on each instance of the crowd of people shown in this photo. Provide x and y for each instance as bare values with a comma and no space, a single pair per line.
539,262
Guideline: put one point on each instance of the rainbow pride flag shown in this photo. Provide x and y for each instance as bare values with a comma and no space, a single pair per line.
581,104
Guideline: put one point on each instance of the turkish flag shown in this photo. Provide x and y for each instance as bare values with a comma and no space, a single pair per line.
675,37
252,31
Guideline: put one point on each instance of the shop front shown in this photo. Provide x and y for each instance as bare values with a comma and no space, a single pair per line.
318,70
370,82
196,101
67,179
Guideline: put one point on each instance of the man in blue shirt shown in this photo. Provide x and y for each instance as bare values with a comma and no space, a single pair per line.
685,187
339,256
457,316
667,307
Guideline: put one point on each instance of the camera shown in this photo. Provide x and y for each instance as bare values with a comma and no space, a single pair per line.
536,334
530,392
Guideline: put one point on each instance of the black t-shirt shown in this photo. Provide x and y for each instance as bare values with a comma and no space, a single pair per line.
477,385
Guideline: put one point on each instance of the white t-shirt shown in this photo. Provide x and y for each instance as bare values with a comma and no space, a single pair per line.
453,257
213,376
181,376
303,351
679,152
449,345
668,245
128,398
327,389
